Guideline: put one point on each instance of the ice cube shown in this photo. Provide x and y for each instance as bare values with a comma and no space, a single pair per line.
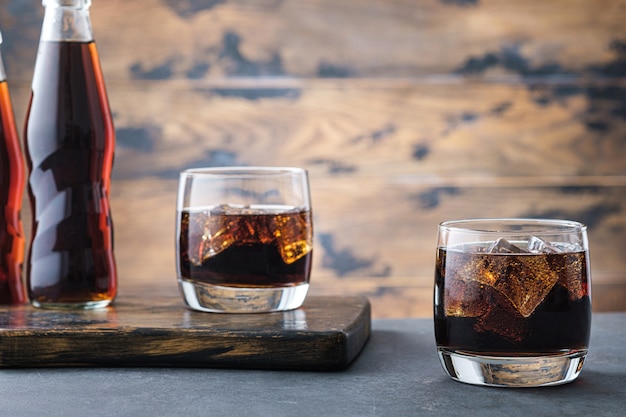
210,234
472,290
225,209
243,224
504,246
293,234
506,322
572,274
568,265
523,278
526,282
538,245
465,299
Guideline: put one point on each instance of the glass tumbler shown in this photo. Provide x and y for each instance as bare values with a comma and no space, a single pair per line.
244,238
512,302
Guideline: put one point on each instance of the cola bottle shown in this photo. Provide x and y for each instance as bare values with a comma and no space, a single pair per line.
69,142
12,178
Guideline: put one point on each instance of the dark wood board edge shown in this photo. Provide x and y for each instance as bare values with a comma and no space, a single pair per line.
329,350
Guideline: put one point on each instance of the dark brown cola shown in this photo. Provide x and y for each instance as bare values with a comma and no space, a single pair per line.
12,178
245,248
70,141
503,303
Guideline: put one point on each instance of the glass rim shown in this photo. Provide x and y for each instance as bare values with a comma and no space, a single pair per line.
513,226
243,170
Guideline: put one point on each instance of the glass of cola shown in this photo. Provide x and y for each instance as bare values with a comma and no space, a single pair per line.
244,238
512,301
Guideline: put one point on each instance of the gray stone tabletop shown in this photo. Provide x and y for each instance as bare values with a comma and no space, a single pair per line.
397,374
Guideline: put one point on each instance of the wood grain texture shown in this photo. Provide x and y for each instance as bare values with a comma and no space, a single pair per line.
405,114
325,334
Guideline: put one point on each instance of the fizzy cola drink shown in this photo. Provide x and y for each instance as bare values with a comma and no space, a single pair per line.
12,179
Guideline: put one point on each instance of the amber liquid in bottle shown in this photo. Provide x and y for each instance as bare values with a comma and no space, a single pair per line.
70,141
12,178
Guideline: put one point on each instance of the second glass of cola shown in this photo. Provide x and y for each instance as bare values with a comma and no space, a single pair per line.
512,301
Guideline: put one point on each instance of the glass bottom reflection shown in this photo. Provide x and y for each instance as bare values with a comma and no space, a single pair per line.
521,371
223,299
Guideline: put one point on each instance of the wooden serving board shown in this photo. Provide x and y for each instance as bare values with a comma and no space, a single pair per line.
326,333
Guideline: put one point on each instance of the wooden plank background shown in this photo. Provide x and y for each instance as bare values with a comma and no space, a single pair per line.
405,112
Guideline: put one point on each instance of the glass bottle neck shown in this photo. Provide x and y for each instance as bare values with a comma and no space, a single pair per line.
3,73
66,21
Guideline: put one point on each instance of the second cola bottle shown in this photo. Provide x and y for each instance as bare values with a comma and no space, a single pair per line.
12,178
69,143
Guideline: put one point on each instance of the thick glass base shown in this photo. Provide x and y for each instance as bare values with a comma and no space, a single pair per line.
222,299
87,305
522,371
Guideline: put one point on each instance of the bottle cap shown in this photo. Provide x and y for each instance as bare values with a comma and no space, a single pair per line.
79,4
